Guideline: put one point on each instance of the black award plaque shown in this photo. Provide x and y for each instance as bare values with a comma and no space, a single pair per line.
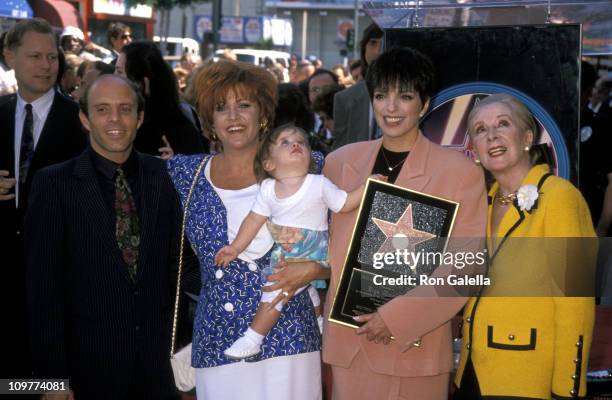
394,225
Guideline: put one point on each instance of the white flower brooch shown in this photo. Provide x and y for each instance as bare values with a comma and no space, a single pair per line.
527,197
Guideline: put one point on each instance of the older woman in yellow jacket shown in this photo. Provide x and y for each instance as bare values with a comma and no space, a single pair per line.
524,337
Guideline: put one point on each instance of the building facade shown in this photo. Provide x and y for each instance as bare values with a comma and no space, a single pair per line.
318,28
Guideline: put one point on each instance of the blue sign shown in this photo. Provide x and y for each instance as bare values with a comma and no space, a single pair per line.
253,29
247,30
15,9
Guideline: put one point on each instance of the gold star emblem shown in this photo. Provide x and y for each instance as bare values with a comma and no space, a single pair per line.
401,234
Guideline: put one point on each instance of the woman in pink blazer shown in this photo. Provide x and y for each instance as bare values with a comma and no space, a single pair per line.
366,363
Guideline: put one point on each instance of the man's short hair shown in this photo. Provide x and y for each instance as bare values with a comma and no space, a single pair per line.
13,38
84,100
115,30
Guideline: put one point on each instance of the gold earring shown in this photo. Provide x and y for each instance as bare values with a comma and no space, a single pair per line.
421,115
526,148
213,135
263,124
477,161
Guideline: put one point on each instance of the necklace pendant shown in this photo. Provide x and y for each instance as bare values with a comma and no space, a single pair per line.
390,169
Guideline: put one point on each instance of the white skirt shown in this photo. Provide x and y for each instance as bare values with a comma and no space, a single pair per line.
295,377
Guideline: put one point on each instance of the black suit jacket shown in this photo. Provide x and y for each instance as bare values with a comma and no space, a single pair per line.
61,139
89,321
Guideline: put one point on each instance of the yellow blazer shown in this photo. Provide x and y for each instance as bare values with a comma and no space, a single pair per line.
431,169
534,347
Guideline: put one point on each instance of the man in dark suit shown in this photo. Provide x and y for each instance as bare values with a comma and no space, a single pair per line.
353,118
101,273
38,127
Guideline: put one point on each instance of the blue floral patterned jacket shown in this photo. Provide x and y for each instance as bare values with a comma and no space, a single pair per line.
229,297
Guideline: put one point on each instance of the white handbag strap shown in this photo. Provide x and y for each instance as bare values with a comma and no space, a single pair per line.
180,265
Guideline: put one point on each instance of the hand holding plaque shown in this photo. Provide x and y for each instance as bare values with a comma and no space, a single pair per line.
395,229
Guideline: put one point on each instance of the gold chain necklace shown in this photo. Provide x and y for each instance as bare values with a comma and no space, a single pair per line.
391,168
505,199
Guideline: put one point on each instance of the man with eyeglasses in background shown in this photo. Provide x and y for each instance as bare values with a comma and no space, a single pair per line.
118,35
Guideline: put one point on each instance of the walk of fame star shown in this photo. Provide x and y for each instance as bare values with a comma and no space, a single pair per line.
401,234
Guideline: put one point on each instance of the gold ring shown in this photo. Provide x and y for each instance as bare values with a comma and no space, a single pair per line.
285,293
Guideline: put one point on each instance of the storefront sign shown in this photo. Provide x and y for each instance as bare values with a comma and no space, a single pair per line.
253,30
118,7
15,9
231,30
248,30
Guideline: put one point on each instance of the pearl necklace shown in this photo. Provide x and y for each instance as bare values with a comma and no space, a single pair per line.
391,168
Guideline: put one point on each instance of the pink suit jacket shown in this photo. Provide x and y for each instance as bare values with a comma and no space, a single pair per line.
431,169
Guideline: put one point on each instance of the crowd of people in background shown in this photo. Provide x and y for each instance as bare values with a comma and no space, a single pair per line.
110,201
81,61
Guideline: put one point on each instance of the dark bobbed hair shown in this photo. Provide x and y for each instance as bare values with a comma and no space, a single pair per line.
403,66
263,152
521,116
84,100
215,82
293,108
13,38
